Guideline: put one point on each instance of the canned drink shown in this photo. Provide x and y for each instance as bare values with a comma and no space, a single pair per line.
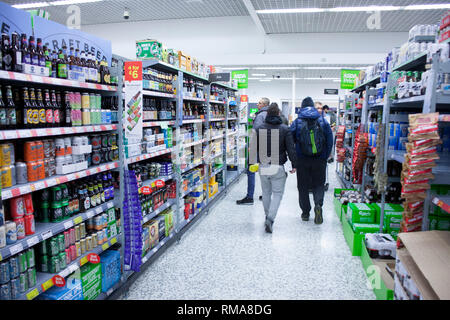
4,272
83,246
73,252
52,149
62,260
67,146
15,288
21,173
90,224
2,236
53,248
7,154
73,237
43,263
105,235
53,266
5,291
98,222
56,193
77,141
82,230
31,273
66,239
68,159
29,208
40,169
17,207
105,140
23,264
94,240
47,167
43,247
96,142
29,225
44,195
44,213
32,171
6,177
14,268
56,213
77,233
20,227
88,243
61,242
39,151
60,148
65,209
85,100
23,279
99,238
11,232
68,256
52,167
78,248
47,148
31,262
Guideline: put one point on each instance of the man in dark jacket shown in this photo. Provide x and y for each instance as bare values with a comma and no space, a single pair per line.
274,145
311,133
260,116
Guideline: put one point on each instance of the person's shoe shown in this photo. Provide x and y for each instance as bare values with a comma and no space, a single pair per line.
260,198
245,201
305,217
318,219
269,226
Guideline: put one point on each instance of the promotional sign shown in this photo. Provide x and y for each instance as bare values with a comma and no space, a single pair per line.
146,190
241,76
133,100
14,20
330,91
160,183
93,258
216,77
243,109
348,78
55,36
59,281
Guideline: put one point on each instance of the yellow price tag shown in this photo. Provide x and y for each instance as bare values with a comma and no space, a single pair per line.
57,181
1,258
113,240
47,285
105,246
83,261
32,294
78,220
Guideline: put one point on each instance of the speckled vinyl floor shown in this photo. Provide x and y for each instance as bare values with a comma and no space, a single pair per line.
228,255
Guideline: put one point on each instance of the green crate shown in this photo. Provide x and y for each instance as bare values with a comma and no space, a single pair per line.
353,239
382,293
337,204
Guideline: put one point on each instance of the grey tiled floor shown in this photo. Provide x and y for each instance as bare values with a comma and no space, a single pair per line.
228,255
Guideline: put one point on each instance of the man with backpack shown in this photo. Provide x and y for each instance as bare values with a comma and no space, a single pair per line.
313,141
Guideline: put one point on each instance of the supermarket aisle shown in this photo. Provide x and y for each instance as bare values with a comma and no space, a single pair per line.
228,255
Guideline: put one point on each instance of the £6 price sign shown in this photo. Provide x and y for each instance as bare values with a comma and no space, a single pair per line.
133,99
133,71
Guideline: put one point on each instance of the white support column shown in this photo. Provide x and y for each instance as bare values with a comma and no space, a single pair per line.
293,94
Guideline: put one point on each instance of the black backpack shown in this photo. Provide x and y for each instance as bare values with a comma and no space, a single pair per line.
311,137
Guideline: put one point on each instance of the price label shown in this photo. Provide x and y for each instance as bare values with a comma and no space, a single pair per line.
64,273
133,71
16,248
59,281
47,235
32,294
154,250
68,224
90,214
47,285
113,240
105,246
73,268
83,261
78,220
93,258
10,134
32,241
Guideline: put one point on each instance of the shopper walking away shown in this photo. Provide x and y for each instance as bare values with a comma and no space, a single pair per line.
313,142
271,156
260,116
330,116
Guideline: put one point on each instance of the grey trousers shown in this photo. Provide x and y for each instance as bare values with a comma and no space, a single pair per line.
272,185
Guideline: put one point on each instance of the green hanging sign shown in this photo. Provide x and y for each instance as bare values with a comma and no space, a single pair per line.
348,78
241,77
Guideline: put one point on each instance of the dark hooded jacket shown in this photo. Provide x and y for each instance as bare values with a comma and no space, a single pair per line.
312,113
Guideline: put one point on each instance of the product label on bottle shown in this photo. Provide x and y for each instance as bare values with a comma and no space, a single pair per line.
42,116
35,60
42,62
93,74
11,116
86,73
7,60
62,70
18,57
35,118
3,116
56,116
26,59
87,203
49,115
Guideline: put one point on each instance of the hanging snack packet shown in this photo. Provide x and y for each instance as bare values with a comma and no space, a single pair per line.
429,131
419,119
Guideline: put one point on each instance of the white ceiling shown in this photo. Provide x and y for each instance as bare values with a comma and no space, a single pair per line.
111,11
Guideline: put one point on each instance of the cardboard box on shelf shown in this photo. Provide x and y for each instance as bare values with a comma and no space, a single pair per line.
71,291
91,280
148,49
360,213
388,207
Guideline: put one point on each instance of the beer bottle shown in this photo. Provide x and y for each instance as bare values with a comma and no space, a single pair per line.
54,59
33,52
61,65
27,109
7,59
71,59
16,53
77,59
98,68
41,108
3,112
40,53
48,60
48,109
57,109
35,114
26,58
84,66
1,53
67,110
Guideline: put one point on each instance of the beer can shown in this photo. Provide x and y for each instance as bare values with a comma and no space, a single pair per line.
52,167
56,193
7,154
30,151
23,265
31,261
105,235
72,236
23,279
94,240
99,238
4,272
40,169
73,252
15,288
53,248
47,148
68,145
29,225
39,151
29,208
96,142
17,207
20,227
13,174
53,265
44,195
82,230
43,247
11,232
47,167
32,171
2,236
78,248
14,268
5,291
60,147
21,173
61,242
31,273
62,260
43,263
68,256
85,100
83,246
105,140
66,239
6,177
65,209
88,243
77,233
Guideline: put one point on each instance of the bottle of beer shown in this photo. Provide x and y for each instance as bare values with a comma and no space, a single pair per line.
67,110
3,112
41,108
84,66
77,59
33,52
40,53
7,59
61,65
33,102
54,59
26,58
16,53
27,109
1,53
98,68
57,110
72,63
48,109
48,60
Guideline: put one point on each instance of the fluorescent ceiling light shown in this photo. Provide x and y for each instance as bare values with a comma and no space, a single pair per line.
276,68
265,80
330,68
259,74
367,8
294,10
313,78
337,80
31,5
67,2
234,68
428,6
